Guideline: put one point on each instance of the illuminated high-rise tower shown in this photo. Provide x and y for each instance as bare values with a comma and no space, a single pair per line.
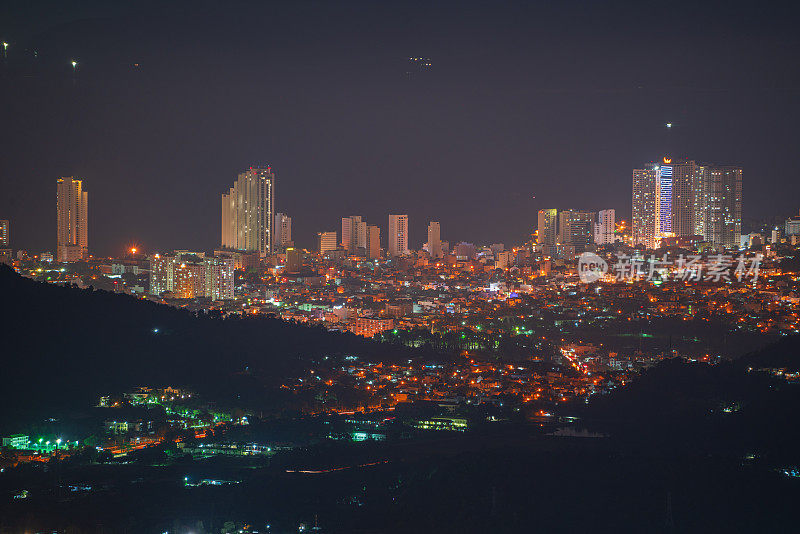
685,198
283,231
722,209
398,235
373,242
354,233
547,231
326,241
664,202
5,233
248,211
684,195
645,208
72,239
604,227
435,240
575,230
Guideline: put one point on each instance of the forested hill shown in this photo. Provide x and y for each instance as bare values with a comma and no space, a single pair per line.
63,346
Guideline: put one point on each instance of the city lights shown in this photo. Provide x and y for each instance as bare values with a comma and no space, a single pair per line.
364,322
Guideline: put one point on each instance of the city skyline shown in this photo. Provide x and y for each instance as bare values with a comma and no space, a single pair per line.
683,195
339,134
362,266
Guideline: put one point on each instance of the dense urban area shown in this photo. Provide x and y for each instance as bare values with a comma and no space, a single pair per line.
494,336
399,267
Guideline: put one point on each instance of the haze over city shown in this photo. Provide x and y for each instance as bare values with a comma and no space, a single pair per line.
552,101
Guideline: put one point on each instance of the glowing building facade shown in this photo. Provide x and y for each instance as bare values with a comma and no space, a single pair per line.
604,227
684,198
398,235
644,223
354,234
248,212
373,242
664,202
326,241
283,232
5,233
547,230
72,205
575,231
435,240
722,190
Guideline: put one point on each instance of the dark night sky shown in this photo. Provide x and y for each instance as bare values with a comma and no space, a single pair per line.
554,99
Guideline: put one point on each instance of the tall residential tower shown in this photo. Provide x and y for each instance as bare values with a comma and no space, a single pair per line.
326,241
435,240
354,233
248,211
398,235
5,233
373,242
283,232
72,241
722,187
644,206
604,227
685,198
575,231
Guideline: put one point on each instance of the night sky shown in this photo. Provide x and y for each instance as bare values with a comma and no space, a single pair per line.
557,100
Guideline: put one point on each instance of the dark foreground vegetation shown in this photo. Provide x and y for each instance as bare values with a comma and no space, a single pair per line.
66,346
687,447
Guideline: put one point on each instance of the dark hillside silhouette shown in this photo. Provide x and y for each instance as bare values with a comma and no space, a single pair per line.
64,346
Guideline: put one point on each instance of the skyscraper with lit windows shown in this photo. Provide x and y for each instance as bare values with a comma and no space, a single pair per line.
326,241
684,195
283,232
547,230
604,227
664,202
685,198
248,212
722,190
354,233
575,231
435,240
644,208
72,228
398,235
373,242
5,233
